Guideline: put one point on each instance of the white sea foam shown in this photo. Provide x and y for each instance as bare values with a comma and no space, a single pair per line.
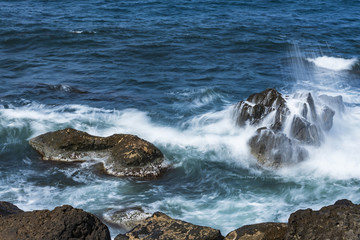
333,63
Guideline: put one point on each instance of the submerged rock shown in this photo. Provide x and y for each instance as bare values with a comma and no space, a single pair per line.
62,223
261,231
338,221
122,154
161,227
286,125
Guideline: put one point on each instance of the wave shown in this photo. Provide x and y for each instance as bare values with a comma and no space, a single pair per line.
333,63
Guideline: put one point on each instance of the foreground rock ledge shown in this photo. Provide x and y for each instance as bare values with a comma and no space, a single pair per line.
261,231
162,227
62,223
122,154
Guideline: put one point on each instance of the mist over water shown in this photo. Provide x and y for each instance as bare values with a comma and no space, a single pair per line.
175,81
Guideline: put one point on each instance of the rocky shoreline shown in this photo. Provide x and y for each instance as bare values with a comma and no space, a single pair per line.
338,221
284,125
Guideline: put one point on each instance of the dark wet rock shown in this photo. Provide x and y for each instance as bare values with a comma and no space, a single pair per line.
122,154
162,227
285,125
62,223
310,101
304,131
274,149
335,103
260,105
7,208
261,231
126,219
339,221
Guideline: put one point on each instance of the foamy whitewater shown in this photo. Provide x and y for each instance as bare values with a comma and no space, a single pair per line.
208,145
173,76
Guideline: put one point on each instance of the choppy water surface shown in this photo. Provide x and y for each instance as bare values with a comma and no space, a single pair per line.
171,72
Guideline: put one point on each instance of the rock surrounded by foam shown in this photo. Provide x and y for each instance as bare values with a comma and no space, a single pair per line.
122,154
286,124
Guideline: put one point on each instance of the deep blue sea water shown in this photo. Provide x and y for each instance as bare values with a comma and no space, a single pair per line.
171,72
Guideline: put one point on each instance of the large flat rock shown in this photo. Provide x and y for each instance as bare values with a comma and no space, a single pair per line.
122,154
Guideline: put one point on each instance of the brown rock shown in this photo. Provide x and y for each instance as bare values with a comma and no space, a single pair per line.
260,105
62,223
338,221
261,231
7,208
162,227
122,154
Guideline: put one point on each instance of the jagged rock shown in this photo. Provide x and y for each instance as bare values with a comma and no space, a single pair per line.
128,218
161,227
338,221
304,131
260,105
261,231
335,103
274,149
62,223
122,154
7,208
285,125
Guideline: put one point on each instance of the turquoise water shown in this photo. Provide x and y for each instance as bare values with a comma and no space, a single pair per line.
171,72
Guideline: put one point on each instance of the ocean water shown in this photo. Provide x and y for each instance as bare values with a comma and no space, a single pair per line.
171,73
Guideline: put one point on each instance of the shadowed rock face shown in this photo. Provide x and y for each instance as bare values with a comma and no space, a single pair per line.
286,125
260,105
275,149
261,231
162,227
338,221
122,154
62,223
7,208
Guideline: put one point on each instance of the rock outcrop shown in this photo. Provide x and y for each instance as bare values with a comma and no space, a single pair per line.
61,223
161,227
7,208
286,125
122,154
261,231
338,221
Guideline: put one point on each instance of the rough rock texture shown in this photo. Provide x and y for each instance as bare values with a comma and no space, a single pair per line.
7,208
62,223
260,105
128,218
122,154
162,227
338,221
275,149
286,125
261,231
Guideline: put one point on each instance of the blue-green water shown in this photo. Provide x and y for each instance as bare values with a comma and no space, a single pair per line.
171,72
